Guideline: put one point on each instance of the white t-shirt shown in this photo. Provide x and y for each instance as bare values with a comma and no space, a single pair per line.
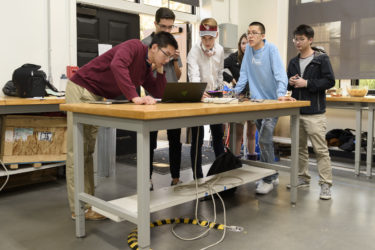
202,68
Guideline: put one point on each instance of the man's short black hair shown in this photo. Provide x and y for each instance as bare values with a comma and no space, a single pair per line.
164,13
304,29
260,25
163,39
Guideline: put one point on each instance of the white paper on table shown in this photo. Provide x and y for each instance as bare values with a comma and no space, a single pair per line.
102,48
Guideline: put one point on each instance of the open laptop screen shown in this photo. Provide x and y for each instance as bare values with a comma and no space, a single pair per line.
184,91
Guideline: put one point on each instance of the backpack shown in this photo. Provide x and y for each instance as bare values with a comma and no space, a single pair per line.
345,139
30,81
9,89
224,162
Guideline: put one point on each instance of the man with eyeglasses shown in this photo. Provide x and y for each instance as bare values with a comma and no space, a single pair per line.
263,69
310,75
164,21
117,72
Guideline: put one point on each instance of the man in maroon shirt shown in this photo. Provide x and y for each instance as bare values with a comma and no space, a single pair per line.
117,72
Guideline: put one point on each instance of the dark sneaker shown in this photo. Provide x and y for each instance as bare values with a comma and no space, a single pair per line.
151,185
325,192
300,184
177,183
252,157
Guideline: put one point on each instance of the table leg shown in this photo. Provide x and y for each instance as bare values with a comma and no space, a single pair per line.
294,127
79,178
358,129
106,152
143,189
370,136
232,136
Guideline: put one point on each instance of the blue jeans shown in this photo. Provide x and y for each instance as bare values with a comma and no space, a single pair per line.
265,129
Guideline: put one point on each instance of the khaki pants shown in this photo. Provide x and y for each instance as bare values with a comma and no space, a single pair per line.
76,94
314,127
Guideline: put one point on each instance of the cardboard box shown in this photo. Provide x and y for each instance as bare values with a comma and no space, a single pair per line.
29,138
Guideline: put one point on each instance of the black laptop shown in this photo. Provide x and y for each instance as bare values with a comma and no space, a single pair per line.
184,91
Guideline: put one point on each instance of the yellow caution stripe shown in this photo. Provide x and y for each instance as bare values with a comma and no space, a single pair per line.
133,236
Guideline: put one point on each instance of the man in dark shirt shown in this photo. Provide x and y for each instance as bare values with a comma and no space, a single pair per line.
164,21
117,72
310,75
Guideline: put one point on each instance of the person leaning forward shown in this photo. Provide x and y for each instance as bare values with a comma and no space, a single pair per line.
117,72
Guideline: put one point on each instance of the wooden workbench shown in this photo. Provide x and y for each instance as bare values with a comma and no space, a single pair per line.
146,118
358,104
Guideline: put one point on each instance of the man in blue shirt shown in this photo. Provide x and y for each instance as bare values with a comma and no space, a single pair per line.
263,69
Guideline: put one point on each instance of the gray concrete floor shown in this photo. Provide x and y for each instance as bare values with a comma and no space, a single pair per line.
37,217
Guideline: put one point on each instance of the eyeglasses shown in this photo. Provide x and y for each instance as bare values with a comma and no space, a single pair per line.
165,27
166,54
299,40
253,33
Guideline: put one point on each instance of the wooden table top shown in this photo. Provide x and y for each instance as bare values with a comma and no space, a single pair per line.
173,110
10,100
369,99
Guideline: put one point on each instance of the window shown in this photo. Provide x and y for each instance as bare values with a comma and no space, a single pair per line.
173,5
327,36
368,82
345,31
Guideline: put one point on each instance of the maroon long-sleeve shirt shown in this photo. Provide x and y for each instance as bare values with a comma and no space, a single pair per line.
119,71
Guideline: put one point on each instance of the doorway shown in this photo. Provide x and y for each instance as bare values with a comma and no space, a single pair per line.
96,28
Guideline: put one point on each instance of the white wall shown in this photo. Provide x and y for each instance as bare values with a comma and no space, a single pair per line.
224,11
273,14
25,37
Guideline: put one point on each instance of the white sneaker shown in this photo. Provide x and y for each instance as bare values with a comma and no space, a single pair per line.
325,192
263,187
276,181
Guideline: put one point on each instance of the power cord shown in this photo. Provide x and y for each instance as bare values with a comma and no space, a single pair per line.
7,176
211,190
210,187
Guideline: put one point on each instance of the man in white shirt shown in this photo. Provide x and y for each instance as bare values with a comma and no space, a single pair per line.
206,64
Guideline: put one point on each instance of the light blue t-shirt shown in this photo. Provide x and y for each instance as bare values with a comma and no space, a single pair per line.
264,71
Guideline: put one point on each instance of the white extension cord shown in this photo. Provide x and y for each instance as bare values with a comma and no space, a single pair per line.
211,190
7,176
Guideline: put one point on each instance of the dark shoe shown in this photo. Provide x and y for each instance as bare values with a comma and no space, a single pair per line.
302,183
174,184
252,157
91,215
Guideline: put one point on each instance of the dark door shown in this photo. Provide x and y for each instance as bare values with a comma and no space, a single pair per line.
101,26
